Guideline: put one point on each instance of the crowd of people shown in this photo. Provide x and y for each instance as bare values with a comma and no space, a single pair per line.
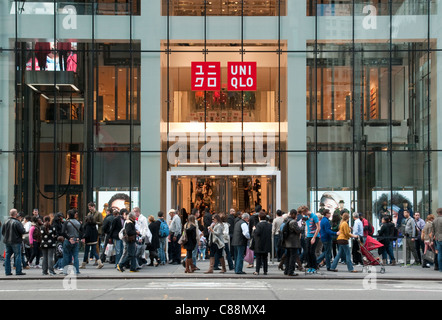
300,240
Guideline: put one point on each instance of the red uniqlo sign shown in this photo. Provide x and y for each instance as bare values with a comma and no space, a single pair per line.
206,76
241,76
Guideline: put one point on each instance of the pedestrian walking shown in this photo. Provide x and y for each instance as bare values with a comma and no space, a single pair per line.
262,237
90,234
72,235
35,241
358,230
227,251
311,240
116,226
48,244
386,236
190,229
276,226
427,239
163,236
145,237
98,218
12,234
202,247
291,241
107,224
437,234
216,243
410,236
154,245
327,235
343,245
418,243
240,237
174,236
130,238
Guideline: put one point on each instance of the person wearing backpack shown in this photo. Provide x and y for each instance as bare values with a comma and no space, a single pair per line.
163,234
367,227
291,237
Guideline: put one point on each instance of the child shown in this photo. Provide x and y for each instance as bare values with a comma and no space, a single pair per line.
59,254
202,247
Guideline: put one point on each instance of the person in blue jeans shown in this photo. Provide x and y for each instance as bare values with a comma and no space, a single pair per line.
326,234
240,237
71,232
70,253
12,233
344,248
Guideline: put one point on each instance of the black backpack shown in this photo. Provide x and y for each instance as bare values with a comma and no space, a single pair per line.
285,232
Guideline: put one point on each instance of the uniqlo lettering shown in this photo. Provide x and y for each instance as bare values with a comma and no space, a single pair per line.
206,76
241,76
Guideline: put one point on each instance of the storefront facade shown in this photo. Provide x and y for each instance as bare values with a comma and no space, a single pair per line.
171,104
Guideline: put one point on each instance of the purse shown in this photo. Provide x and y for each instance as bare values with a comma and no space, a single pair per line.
429,256
183,238
249,256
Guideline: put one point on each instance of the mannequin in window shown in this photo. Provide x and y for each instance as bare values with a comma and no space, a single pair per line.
257,189
42,49
64,50
246,195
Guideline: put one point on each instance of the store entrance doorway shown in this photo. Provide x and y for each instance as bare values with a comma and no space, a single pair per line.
220,193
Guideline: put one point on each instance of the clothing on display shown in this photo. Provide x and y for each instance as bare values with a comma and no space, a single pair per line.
64,50
42,50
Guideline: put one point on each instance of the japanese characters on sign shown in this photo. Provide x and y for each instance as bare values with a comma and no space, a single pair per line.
206,76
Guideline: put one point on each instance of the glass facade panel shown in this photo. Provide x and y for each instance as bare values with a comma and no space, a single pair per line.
112,96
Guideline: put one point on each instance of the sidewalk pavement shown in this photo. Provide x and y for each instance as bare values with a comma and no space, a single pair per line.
169,271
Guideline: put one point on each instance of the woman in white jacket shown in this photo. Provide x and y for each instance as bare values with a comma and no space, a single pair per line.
216,243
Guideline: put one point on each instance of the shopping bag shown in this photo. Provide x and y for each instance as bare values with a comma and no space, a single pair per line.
429,256
249,256
109,249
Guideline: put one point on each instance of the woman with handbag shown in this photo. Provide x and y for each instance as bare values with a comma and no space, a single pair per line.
190,242
216,243
427,238
90,233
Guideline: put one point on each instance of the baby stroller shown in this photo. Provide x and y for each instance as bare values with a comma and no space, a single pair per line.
368,258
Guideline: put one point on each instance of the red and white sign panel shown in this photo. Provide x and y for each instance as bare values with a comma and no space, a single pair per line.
206,76
241,76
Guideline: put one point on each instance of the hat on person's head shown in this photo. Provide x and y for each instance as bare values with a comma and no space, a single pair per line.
341,201
172,211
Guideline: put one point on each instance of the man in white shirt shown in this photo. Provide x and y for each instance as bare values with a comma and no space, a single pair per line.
142,225
358,230
276,226
240,236
175,229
